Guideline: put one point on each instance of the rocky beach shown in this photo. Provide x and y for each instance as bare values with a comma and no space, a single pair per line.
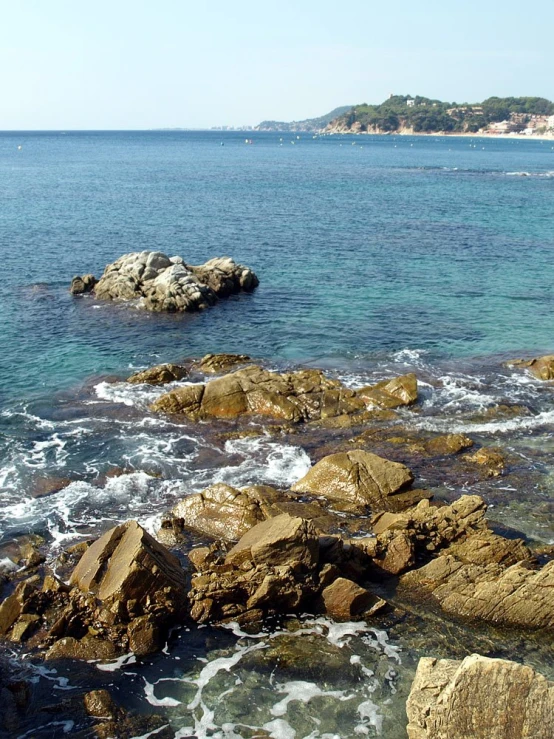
293,492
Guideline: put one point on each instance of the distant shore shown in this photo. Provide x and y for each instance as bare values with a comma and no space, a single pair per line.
505,137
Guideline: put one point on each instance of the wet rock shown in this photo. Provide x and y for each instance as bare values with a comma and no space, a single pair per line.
356,479
216,364
541,367
144,636
220,511
87,648
82,284
295,396
272,570
490,460
481,698
44,486
159,375
484,548
517,596
344,600
127,564
398,555
100,704
448,444
168,284
400,391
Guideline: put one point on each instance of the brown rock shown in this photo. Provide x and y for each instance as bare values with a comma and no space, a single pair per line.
491,460
481,698
391,393
144,636
87,648
278,541
357,479
541,367
448,444
399,555
344,600
100,704
215,364
161,374
128,564
84,284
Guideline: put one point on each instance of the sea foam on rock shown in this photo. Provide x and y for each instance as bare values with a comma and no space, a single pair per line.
167,283
481,698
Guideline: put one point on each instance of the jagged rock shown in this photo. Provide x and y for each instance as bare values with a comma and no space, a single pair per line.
356,479
216,364
145,637
541,367
84,284
272,570
391,393
343,600
481,698
516,596
168,284
295,396
490,460
159,375
127,564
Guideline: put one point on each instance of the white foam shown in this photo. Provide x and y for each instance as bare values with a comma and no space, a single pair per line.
300,690
279,729
117,664
151,698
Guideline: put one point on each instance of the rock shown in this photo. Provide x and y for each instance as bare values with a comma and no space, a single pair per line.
398,555
484,548
168,284
448,444
295,396
517,596
481,698
344,600
356,479
220,511
541,367
391,393
272,570
159,375
278,541
87,648
216,364
44,486
127,564
490,460
144,636
84,284
100,704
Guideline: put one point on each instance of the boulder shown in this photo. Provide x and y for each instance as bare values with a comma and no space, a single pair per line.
448,444
541,367
293,396
161,374
168,284
100,704
516,596
356,480
491,461
81,285
87,648
391,393
127,564
481,698
343,600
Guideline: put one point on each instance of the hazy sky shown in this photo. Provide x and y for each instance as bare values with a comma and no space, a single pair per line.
175,63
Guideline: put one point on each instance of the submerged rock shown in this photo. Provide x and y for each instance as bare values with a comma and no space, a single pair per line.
216,364
167,283
481,698
357,479
161,374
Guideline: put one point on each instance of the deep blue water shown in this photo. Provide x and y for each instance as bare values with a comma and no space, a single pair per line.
363,245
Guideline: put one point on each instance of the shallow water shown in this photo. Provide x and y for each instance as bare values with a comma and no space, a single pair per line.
377,256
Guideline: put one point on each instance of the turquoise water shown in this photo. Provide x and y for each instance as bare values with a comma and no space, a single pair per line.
364,245
376,256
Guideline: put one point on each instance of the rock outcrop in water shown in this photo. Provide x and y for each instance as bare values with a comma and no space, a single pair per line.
481,698
161,374
541,367
305,395
165,283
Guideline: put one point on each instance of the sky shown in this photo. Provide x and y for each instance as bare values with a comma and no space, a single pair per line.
140,64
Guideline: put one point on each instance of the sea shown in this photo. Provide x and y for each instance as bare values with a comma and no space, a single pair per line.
377,256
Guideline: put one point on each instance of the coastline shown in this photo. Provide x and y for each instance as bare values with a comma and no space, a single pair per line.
444,134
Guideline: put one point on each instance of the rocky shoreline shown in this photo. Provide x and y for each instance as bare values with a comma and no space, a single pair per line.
356,538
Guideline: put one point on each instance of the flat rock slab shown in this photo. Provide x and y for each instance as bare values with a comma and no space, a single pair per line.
479,698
